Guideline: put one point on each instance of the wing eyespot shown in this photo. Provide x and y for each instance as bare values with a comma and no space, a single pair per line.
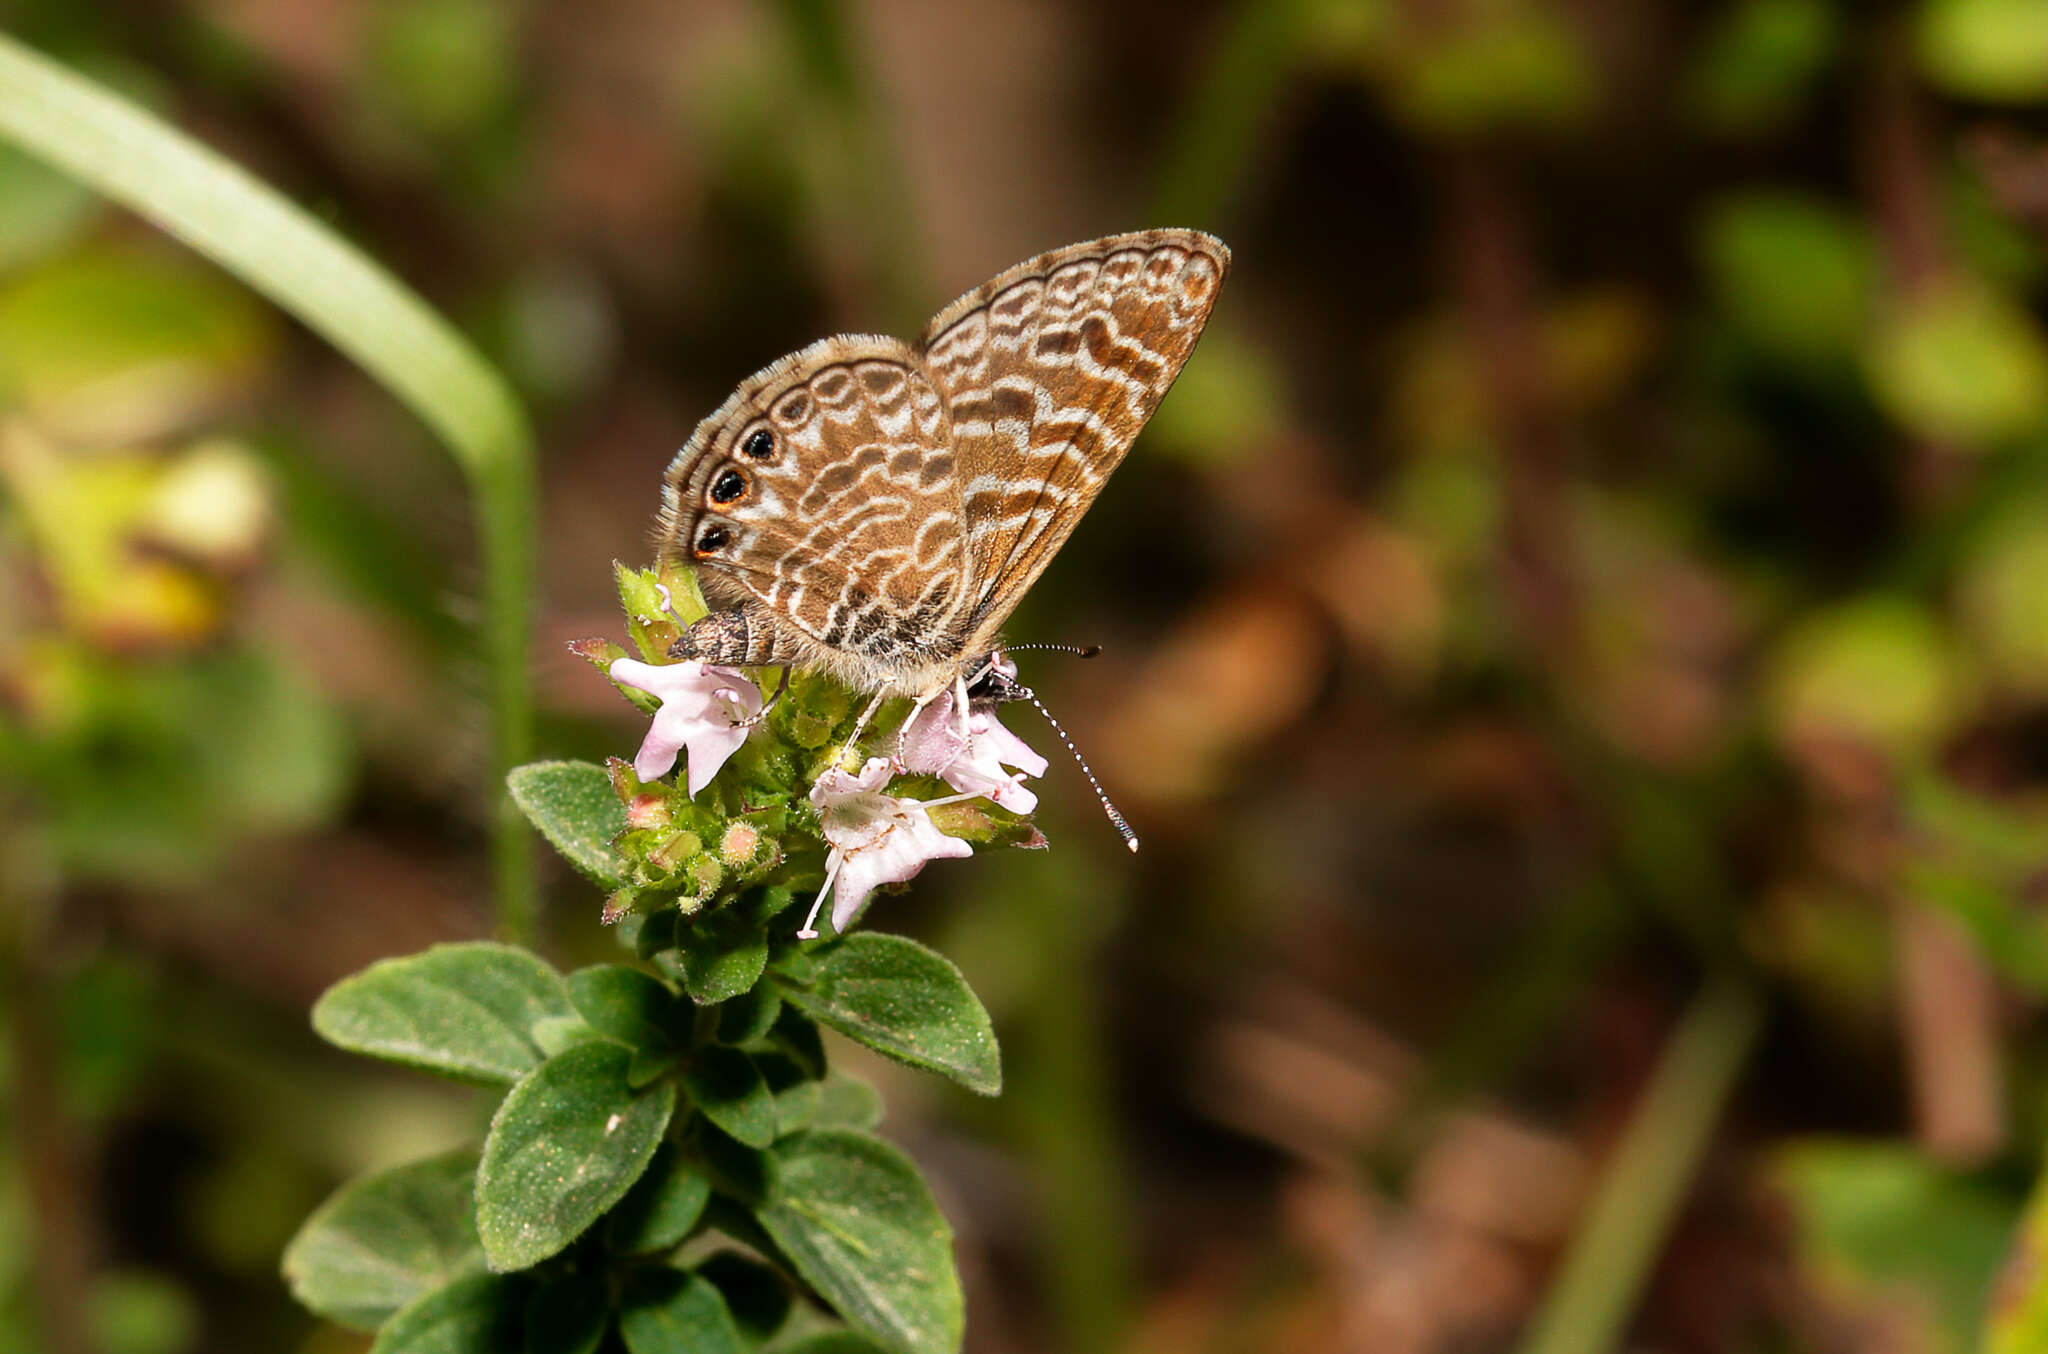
729,486
713,539
759,444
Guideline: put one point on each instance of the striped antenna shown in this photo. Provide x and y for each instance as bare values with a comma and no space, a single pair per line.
1117,819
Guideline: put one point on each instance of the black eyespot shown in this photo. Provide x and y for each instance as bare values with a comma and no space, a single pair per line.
714,538
760,444
729,485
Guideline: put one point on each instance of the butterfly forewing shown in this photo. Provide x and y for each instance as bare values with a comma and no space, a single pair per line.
1049,372
824,491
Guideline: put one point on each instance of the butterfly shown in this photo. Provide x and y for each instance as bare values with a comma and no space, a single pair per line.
876,509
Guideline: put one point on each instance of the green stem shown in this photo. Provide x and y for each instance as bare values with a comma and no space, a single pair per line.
1633,1205
255,233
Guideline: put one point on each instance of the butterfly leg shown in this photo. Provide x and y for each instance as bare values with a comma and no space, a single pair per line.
859,727
760,716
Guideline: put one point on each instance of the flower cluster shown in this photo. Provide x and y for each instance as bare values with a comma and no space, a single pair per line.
875,826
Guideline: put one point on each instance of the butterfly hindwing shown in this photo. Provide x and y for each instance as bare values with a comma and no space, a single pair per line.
1049,372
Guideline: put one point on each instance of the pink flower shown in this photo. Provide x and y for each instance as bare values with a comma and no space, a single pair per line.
876,839
704,711
932,743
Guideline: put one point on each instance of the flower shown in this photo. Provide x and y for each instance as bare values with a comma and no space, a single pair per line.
932,744
875,837
704,711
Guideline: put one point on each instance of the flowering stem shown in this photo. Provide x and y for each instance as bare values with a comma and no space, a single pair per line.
1632,1207
251,230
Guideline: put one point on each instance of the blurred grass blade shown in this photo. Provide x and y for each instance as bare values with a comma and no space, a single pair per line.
1218,130
1631,1209
269,243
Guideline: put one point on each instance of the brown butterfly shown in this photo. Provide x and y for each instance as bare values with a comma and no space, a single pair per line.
877,509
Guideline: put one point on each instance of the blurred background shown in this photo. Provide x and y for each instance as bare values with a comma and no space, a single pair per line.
1577,643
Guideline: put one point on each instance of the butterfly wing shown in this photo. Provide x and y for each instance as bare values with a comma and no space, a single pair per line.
1049,371
823,493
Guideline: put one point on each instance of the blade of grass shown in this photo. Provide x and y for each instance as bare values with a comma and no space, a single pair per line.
1601,1280
255,233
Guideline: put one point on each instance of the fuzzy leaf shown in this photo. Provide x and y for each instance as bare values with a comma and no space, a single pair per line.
671,1311
566,1145
471,1315
748,1016
465,1011
727,1086
844,1102
623,1003
387,1239
757,1296
852,1215
906,1001
719,956
662,1207
575,808
836,1342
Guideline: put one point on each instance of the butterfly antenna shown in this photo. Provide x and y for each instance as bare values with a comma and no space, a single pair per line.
1117,819
1077,650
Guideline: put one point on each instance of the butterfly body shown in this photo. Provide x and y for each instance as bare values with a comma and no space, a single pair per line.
876,509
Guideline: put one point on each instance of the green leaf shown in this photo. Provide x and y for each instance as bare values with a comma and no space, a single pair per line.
623,1003
567,1315
846,1102
559,1034
748,1016
796,1107
1879,1220
670,1311
719,956
464,1011
796,1035
727,1086
573,805
906,1001
737,1171
662,1207
469,1316
756,1295
652,1064
836,1342
566,1145
852,1214
387,1239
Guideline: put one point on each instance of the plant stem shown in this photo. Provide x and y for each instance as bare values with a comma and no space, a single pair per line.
1632,1207
262,238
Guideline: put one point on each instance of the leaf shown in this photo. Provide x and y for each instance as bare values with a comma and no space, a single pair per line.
623,1003
387,1239
737,1171
662,1207
757,1296
748,1016
567,1315
1878,1220
906,1001
671,1311
855,1219
836,1342
573,805
846,1102
728,1088
719,956
566,1145
465,1011
469,1316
